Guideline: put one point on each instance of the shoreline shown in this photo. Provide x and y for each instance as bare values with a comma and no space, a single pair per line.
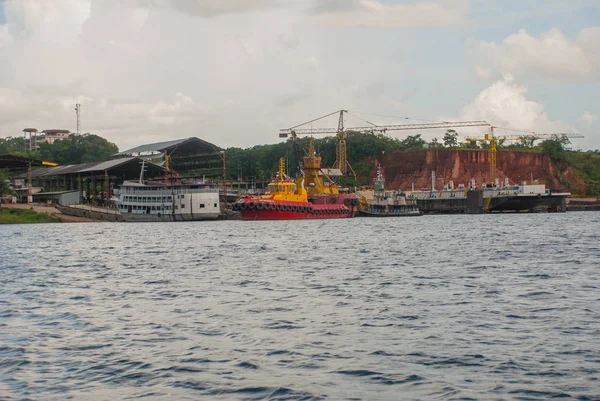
48,210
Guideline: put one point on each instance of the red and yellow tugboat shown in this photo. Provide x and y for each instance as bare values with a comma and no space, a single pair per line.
289,200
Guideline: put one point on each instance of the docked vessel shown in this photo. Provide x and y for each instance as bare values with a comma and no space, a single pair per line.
290,200
387,203
524,197
321,189
140,201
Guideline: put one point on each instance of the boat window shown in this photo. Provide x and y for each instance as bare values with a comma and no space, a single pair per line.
215,205
202,206
293,188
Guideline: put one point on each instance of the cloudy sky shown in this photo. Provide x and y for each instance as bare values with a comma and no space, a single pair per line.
235,71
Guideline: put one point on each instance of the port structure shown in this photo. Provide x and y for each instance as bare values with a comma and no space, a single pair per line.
341,160
494,141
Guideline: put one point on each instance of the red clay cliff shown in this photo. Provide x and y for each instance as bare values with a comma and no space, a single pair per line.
402,169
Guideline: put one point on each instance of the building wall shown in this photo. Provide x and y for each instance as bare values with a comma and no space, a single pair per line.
64,198
51,137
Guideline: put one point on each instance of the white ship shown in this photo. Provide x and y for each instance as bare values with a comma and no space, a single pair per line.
157,201
154,201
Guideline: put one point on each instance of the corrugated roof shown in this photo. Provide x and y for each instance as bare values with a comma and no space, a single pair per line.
153,147
163,146
107,165
86,168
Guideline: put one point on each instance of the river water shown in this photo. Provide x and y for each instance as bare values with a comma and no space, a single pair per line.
434,307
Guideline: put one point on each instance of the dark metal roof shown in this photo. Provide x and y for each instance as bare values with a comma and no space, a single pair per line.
170,146
60,131
13,162
55,192
95,167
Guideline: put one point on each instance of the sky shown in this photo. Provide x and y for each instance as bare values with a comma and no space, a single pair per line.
233,72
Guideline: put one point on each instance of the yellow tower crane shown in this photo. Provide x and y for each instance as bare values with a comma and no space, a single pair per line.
494,140
341,160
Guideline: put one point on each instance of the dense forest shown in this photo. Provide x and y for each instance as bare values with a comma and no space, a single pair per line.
76,149
259,163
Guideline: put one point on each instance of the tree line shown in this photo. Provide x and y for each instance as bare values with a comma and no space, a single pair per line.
75,149
260,162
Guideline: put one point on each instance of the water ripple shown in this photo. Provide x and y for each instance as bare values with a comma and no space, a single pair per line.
440,307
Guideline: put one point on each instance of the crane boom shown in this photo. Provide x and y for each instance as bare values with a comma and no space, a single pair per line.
283,133
341,161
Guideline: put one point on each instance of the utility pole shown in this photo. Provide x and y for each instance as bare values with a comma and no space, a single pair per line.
224,175
29,185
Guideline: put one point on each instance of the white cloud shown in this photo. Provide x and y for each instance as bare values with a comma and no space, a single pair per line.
210,8
351,13
504,104
588,118
551,55
145,70
148,70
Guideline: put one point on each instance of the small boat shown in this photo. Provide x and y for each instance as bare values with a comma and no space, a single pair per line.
387,203
289,200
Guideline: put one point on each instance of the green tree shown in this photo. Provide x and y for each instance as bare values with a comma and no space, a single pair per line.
450,138
413,142
556,148
435,143
12,145
77,149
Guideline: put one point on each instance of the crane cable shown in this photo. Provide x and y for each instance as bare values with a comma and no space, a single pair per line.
401,118
311,121
362,119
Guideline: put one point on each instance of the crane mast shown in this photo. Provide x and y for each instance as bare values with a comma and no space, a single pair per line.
493,140
341,161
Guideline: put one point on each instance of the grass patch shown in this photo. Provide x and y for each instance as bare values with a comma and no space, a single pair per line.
25,216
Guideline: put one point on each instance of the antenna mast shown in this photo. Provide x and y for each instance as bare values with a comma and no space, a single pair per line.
78,111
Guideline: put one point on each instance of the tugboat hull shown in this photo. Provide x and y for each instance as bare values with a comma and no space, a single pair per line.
290,211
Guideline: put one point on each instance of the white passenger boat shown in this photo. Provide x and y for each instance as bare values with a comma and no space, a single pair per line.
158,201
155,201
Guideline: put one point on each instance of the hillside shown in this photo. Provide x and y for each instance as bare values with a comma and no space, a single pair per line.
403,168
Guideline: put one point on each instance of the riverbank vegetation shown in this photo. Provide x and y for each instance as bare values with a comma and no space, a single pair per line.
24,216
